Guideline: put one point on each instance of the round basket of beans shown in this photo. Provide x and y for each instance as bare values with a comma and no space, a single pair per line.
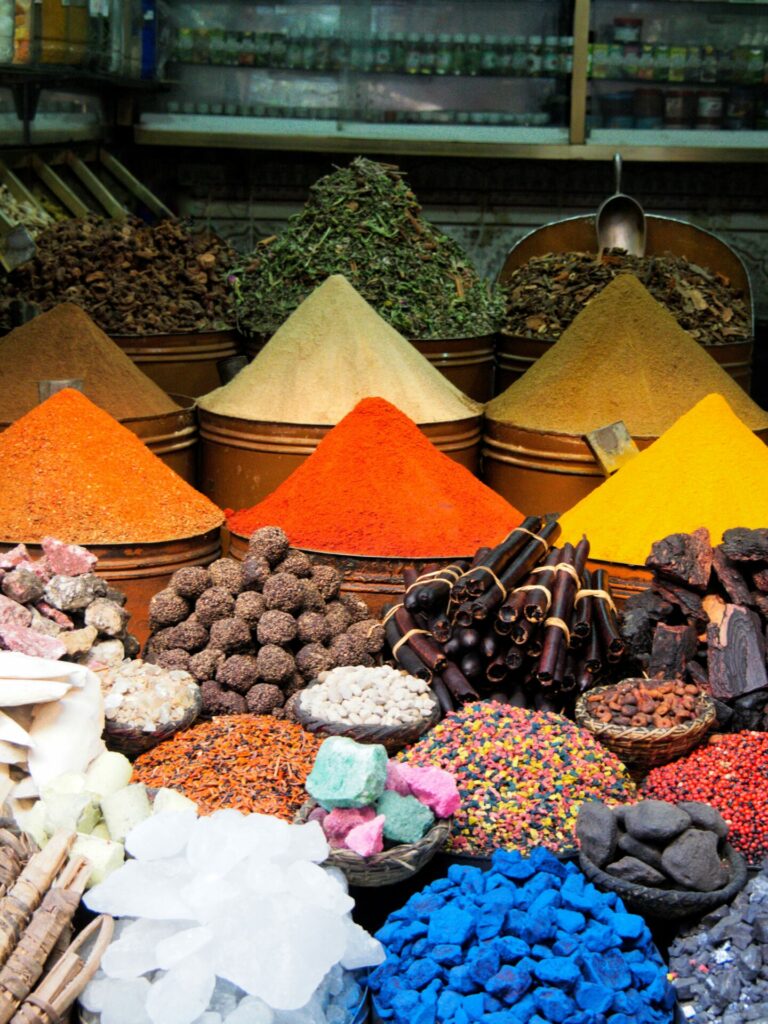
647,722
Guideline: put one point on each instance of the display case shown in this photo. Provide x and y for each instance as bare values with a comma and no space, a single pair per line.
392,70
658,79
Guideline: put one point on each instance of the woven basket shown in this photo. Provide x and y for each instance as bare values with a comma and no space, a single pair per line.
643,748
394,865
394,738
669,904
132,742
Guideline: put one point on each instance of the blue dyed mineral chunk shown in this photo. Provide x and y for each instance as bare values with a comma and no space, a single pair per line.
450,925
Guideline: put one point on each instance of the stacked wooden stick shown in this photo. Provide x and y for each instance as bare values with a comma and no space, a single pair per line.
41,970
525,623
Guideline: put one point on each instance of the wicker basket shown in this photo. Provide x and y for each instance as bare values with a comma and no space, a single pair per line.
132,742
669,904
642,748
394,738
394,865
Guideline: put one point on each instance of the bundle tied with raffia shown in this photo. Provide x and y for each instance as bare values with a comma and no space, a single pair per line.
524,623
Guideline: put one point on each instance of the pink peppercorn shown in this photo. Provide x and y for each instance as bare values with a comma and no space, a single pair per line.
731,773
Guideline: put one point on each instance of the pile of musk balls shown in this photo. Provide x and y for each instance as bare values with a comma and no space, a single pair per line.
255,633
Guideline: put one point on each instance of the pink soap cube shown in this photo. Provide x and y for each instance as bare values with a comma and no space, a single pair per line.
434,787
396,779
368,838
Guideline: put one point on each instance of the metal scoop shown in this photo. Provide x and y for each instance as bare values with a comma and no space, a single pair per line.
620,220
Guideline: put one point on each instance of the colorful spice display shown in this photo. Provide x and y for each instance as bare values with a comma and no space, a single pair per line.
547,292
703,620
331,352
73,472
709,469
526,624
386,505
56,606
729,773
252,763
130,277
365,801
363,221
529,940
254,633
228,918
624,357
717,965
65,344
521,775
657,844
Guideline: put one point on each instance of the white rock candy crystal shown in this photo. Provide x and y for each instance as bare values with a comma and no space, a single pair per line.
230,920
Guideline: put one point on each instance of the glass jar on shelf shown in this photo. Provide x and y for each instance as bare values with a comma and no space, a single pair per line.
615,61
710,108
740,109
473,55
534,57
247,54
293,51
428,54
550,60
693,64
412,54
382,59
444,55
489,56
646,66
184,50
519,58
505,49
709,65
678,59
661,63
600,60
566,55
233,45
631,63
216,49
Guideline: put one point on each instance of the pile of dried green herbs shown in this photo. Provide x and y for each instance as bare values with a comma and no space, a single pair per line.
546,293
364,221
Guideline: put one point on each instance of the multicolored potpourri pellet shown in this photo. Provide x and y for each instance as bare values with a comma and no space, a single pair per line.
522,776
731,773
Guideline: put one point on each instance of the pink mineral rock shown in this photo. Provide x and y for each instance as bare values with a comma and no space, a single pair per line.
434,787
22,585
12,558
29,641
54,615
341,820
13,614
368,838
396,780
318,814
67,559
40,568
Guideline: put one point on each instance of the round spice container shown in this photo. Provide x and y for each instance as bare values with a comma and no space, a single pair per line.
145,704
331,352
86,479
185,362
516,353
370,705
646,722
679,108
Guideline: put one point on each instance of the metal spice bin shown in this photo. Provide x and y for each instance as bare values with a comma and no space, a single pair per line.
242,461
183,363
515,354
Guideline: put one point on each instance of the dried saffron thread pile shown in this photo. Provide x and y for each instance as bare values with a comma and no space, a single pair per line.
709,469
254,763
331,352
65,344
376,486
624,357
71,471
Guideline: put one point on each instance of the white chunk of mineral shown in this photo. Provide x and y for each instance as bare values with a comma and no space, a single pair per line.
358,695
